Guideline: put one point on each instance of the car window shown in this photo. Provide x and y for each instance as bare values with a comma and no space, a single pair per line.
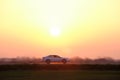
57,56
51,56
54,56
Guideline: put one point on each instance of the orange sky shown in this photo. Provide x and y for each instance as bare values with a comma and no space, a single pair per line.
35,28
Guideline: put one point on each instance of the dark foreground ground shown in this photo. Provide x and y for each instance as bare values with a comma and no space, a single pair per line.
59,72
59,67
59,75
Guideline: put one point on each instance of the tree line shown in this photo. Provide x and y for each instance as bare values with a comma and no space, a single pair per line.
74,60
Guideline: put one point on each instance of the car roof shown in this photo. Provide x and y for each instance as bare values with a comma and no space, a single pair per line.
52,55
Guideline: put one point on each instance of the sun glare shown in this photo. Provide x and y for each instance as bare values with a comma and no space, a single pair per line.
55,31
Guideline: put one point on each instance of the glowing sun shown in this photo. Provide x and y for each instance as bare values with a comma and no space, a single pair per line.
55,31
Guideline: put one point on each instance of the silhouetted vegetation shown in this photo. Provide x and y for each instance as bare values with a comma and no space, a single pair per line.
106,60
75,60
26,63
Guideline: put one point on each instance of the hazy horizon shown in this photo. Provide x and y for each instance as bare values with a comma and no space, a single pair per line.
84,28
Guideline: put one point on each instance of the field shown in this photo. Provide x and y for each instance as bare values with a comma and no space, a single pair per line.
55,72
60,75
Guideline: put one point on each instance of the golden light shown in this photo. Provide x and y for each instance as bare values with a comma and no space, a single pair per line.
55,31
66,20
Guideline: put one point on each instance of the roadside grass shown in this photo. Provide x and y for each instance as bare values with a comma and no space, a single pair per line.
59,75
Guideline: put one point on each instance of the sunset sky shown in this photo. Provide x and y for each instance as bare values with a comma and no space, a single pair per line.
36,28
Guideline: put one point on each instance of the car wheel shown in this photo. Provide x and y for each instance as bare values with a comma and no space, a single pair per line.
47,61
64,61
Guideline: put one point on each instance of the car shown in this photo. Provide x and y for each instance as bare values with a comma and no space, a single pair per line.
54,58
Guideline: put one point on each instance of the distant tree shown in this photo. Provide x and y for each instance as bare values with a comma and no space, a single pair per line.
88,61
77,60
106,60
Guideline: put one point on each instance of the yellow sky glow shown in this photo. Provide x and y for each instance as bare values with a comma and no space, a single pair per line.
85,28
